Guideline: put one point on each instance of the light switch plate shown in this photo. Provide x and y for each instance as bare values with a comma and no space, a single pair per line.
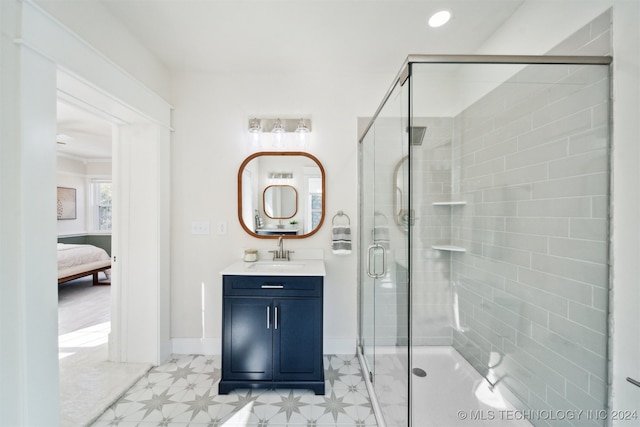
200,227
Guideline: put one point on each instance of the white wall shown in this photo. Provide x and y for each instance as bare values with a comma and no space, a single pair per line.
625,295
71,173
211,141
76,173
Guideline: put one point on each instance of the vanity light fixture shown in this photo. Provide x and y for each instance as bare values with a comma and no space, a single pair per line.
301,133
255,126
278,133
278,127
255,129
280,175
281,131
302,127
280,178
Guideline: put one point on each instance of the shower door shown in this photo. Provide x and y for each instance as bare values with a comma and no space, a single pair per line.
383,270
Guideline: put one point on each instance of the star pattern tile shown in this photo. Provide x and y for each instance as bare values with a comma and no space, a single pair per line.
332,375
200,404
289,405
334,406
184,392
156,402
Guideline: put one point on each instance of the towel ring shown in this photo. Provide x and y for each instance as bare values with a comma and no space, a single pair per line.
340,213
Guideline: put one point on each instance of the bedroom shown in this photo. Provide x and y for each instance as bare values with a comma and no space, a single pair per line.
83,180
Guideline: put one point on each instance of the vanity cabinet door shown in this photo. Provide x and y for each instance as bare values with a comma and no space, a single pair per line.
297,340
247,341
272,333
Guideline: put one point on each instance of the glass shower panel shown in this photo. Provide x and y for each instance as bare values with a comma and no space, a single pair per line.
384,287
509,251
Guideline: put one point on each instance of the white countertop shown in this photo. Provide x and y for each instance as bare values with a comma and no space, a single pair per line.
295,267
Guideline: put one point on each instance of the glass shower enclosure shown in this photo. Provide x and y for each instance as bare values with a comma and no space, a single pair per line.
484,229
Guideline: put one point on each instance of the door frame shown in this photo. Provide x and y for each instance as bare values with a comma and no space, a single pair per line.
44,58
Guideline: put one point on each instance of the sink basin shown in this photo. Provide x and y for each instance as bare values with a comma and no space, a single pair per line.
297,267
275,266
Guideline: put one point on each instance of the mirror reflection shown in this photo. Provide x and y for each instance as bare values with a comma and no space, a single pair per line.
280,201
281,194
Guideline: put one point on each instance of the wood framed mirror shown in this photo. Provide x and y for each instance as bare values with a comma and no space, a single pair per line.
281,193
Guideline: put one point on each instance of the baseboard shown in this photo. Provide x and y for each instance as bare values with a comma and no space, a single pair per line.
339,346
209,346
213,346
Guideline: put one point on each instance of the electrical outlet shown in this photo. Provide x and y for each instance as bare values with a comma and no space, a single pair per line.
200,227
221,228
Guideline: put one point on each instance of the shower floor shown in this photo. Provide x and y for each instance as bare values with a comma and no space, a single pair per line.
451,394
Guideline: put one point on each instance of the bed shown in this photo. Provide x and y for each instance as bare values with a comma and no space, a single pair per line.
75,261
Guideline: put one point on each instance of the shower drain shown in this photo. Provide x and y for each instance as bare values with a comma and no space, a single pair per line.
419,372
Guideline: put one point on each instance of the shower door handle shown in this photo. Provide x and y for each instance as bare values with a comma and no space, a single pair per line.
371,250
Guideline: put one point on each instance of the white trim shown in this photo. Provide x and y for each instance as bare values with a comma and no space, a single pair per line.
72,157
340,346
210,346
68,173
88,71
213,346
95,52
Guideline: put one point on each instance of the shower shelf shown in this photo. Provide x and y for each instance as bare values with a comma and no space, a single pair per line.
451,203
449,248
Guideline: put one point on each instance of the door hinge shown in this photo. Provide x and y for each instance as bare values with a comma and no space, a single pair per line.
370,377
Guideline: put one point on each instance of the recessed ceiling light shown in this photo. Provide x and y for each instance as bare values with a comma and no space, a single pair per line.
440,18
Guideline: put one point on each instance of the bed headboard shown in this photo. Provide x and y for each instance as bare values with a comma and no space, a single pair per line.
100,240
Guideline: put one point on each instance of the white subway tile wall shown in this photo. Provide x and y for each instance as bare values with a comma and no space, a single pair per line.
529,289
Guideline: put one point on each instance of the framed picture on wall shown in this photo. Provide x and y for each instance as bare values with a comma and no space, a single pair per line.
66,203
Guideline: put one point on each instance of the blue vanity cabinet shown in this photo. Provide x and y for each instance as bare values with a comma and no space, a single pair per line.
272,333
248,339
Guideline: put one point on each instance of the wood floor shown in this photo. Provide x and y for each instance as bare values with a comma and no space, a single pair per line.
89,383
81,305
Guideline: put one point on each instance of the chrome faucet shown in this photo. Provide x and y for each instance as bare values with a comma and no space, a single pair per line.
281,254
280,247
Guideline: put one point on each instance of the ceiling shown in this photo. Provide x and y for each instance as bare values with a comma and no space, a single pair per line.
304,35
272,36
82,135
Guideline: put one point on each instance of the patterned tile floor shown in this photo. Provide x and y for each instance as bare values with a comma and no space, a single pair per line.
184,392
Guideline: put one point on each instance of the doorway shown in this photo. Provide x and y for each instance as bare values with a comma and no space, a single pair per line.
84,166
45,60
